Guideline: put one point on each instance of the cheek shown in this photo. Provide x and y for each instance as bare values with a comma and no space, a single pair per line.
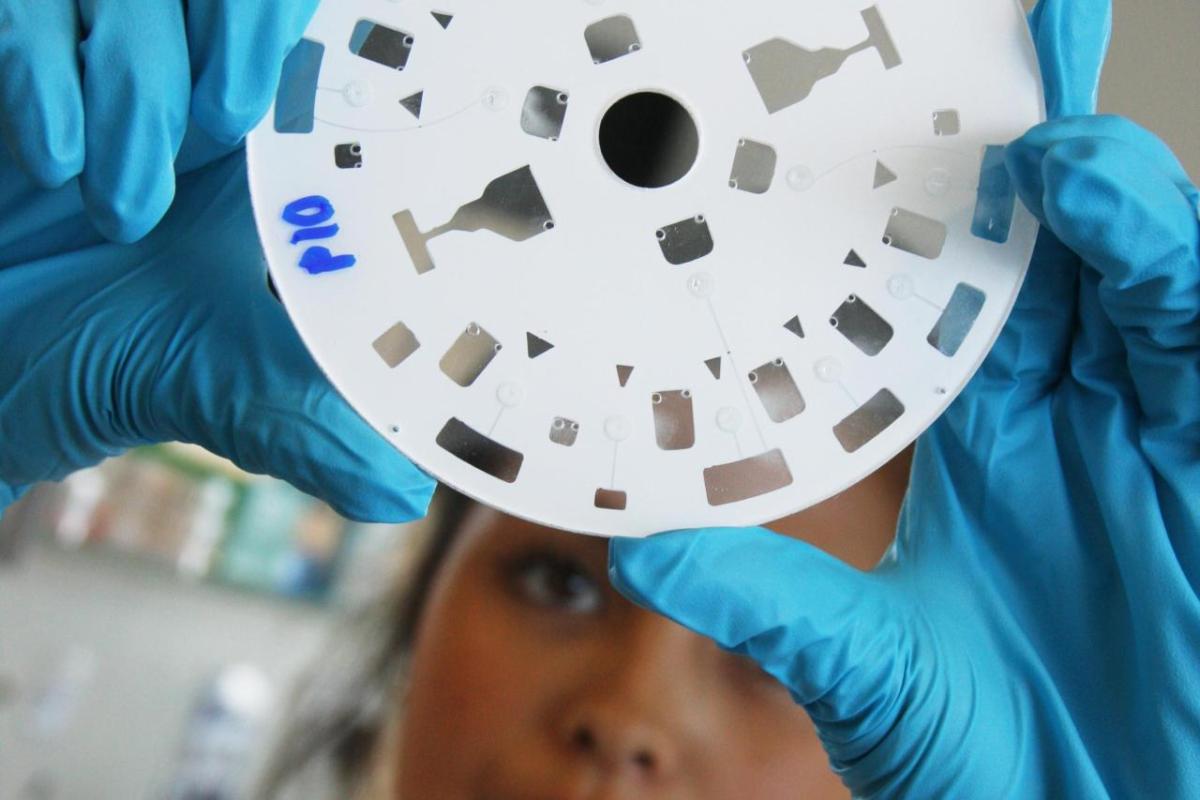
470,691
772,746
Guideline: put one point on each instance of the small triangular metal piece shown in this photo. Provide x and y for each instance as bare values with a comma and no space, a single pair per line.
537,345
794,326
883,175
413,103
853,259
714,366
623,373
442,18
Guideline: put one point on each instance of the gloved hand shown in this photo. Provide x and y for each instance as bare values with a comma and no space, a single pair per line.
106,346
101,90
1035,629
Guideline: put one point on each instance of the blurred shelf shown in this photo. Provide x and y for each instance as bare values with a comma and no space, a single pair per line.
186,514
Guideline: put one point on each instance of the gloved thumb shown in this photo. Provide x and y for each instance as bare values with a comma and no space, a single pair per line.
209,357
828,632
246,389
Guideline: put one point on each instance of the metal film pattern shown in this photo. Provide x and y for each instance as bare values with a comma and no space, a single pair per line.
513,206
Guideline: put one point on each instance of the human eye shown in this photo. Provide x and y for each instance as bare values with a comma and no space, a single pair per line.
552,581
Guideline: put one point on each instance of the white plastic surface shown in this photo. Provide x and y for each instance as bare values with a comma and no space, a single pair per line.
597,285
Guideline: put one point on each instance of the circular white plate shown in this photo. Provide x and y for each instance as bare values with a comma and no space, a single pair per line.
444,227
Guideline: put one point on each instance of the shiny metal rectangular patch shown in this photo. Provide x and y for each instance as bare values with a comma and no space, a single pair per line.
868,420
747,478
481,452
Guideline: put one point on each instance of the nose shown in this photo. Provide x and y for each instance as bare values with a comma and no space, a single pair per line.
621,742
638,710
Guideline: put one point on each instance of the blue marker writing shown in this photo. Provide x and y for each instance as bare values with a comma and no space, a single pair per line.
309,214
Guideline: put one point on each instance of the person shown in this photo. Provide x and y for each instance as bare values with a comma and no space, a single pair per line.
501,664
1035,630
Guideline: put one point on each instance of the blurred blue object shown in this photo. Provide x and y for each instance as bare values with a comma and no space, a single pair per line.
103,92
108,346
1035,630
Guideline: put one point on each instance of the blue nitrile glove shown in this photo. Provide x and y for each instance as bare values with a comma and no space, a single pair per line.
106,346
1035,630
102,89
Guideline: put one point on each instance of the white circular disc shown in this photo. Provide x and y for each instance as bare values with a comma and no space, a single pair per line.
444,228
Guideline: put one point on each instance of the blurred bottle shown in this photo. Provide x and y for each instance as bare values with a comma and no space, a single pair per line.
282,541
221,735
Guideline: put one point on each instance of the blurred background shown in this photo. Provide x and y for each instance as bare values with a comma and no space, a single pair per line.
1152,70
155,611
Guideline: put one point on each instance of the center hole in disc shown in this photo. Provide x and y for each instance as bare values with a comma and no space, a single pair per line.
649,140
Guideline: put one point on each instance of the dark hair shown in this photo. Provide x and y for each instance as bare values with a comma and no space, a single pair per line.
341,707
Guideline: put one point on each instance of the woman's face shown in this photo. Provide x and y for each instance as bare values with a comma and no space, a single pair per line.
532,679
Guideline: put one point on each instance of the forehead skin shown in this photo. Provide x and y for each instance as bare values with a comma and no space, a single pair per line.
497,685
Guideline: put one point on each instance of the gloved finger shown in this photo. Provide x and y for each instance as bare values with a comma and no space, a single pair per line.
1131,223
825,630
224,367
245,388
1072,38
1117,195
1031,354
41,100
237,49
1026,155
136,92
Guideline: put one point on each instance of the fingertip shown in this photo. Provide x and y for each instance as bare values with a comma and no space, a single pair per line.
227,123
237,68
1023,159
402,493
665,569
120,226
410,506
136,94
52,155
635,563
55,171
42,122
126,216
629,551
345,462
